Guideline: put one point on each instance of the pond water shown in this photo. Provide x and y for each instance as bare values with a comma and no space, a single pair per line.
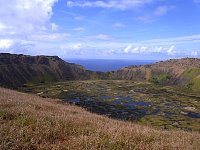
119,107
129,102
75,101
125,101
193,115
104,97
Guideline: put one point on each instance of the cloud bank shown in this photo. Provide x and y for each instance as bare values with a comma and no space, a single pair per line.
21,20
26,26
117,4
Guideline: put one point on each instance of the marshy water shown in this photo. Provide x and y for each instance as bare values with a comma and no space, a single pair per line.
128,100
119,107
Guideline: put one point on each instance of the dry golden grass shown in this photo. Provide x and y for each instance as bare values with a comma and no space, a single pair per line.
30,122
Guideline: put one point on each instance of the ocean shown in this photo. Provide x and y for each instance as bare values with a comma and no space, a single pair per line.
104,65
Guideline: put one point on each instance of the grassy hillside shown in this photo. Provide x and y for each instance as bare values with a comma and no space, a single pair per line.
31,122
192,77
16,70
182,72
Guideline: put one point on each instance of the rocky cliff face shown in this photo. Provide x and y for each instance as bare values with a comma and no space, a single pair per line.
184,72
15,70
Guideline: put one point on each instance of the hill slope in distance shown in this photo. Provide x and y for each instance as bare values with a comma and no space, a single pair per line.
16,70
183,72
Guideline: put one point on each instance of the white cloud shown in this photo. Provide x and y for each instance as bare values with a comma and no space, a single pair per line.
100,37
78,46
117,4
49,36
135,49
143,49
118,25
15,45
26,15
194,54
78,49
171,50
128,49
22,21
54,27
169,47
158,12
6,43
109,52
161,10
146,49
79,18
174,41
79,29
26,23
158,49
2,26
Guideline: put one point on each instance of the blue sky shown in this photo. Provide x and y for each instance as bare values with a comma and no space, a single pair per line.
109,29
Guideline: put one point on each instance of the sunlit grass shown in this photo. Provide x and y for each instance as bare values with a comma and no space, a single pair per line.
31,122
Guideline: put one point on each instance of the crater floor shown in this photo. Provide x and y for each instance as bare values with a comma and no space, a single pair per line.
159,106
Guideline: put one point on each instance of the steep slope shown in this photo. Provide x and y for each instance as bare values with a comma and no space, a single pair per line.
184,72
15,70
31,122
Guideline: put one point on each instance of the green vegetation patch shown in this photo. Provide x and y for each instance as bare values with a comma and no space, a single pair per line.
162,78
193,76
46,78
4,115
192,73
196,84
